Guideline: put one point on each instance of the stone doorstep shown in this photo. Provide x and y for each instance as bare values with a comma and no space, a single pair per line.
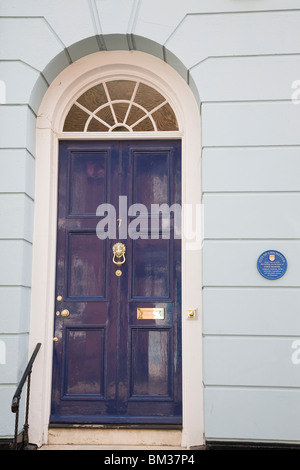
111,448
114,437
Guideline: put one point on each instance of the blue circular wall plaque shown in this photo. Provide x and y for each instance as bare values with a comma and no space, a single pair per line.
271,264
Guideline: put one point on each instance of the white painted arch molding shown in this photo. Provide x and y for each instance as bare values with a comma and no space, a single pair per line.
86,72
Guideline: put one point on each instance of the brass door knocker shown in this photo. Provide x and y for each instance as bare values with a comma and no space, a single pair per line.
119,250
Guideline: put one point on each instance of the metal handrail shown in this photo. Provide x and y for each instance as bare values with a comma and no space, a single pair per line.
16,401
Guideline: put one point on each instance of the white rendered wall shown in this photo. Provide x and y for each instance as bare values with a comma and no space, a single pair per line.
241,59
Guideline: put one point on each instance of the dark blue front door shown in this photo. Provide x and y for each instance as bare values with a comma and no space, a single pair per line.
117,337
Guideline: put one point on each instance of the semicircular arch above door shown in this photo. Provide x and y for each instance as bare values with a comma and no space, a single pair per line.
120,106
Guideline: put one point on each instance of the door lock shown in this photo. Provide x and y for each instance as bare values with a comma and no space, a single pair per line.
65,313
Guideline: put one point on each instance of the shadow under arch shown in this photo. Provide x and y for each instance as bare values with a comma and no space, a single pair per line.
107,42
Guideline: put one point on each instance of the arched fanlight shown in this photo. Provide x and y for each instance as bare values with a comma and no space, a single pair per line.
120,106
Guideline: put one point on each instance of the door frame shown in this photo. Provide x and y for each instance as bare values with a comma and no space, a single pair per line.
56,102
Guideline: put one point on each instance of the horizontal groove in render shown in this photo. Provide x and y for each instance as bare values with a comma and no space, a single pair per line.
248,287
261,191
263,336
247,387
16,240
14,286
3,149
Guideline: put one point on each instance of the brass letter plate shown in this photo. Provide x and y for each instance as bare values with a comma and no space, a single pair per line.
150,313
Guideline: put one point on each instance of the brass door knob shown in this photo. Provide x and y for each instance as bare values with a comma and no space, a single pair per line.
65,313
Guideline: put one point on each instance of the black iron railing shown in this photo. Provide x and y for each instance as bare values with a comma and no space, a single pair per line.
24,444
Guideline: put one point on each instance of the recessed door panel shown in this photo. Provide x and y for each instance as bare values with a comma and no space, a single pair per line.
87,182
151,269
85,366
151,370
86,263
151,177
